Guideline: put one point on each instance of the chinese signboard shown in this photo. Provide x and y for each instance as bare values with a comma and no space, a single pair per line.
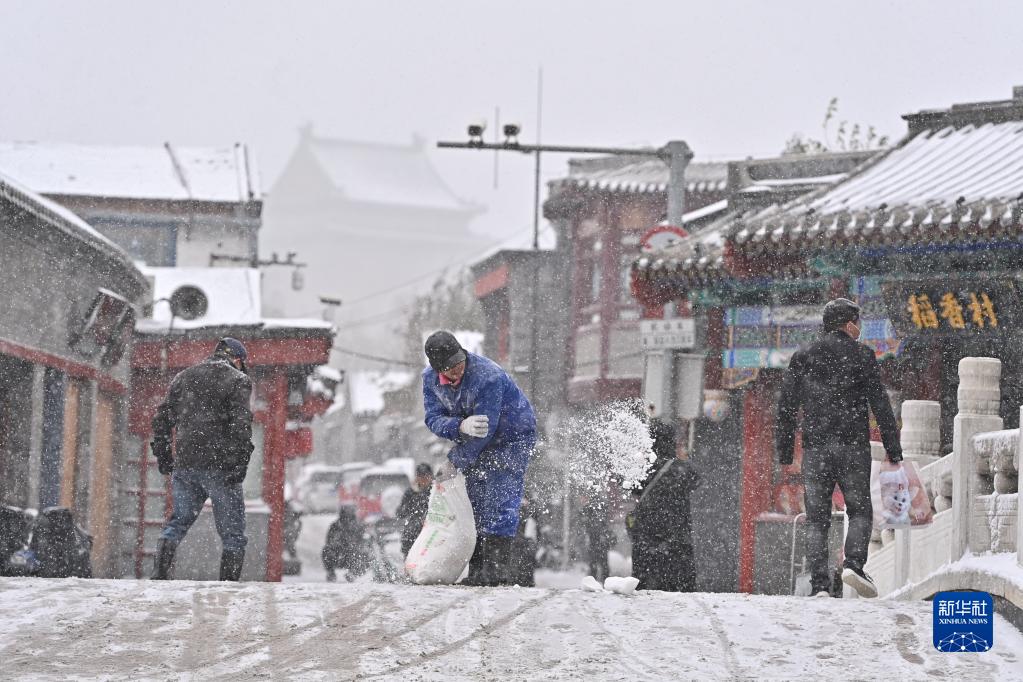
767,336
952,307
665,334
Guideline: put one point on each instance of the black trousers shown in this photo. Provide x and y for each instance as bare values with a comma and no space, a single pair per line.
663,565
848,467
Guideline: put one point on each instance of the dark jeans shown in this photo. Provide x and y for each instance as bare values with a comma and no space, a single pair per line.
189,489
823,468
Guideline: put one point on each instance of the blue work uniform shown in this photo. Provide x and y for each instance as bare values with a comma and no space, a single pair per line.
495,465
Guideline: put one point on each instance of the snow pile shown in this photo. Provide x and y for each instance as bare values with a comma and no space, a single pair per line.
610,443
626,586
618,585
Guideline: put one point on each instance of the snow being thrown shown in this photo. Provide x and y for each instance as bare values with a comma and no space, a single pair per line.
610,443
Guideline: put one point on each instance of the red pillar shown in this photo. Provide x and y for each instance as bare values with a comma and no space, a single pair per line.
273,472
758,448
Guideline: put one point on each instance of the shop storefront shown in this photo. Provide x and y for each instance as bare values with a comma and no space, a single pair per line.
65,330
926,237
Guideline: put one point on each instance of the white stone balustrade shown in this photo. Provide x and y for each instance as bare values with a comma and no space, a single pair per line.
979,400
921,431
974,491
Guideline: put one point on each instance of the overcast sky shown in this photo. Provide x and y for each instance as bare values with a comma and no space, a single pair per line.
732,78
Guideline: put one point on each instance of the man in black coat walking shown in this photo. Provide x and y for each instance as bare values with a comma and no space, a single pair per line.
207,417
835,380
660,526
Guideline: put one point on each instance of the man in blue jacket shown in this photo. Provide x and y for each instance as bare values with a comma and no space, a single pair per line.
470,400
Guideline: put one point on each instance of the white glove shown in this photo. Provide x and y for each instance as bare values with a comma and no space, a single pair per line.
446,472
475,426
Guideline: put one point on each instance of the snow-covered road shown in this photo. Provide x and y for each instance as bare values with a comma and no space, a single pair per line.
125,629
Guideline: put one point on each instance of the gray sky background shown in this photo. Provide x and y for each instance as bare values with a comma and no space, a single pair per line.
732,78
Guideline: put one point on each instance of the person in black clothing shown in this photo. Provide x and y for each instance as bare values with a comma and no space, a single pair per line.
835,380
206,416
660,525
414,503
593,512
344,548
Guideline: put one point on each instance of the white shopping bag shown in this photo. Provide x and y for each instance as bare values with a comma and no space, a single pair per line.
446,543
898,497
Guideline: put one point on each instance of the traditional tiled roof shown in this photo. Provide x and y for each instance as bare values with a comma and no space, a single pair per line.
167,172
700,258
697,259
943,184
379,173
640,174
65,221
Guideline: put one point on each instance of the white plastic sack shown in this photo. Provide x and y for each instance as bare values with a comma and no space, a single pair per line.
446,543
898,497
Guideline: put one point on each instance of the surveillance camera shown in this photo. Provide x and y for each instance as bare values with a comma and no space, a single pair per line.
512,130
476,130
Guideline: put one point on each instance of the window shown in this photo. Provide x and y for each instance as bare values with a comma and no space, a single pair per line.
594,283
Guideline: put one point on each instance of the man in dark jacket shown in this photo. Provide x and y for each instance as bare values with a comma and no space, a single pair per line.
414,503
344,546
206,415
471,401
660,525
836,380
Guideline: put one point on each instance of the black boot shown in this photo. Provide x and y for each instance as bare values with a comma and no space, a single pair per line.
231,564
496,563
476,563
164,559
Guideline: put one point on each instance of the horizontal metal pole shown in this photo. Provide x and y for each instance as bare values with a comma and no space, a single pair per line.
531,148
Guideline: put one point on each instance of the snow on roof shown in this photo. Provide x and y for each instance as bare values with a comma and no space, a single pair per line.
233,300
641,174
71,223
219,174
941,175
329,373
972,162
368,388
233,295
706,211
385,173
523,241
295,323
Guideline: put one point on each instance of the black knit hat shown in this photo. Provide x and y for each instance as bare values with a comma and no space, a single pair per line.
838,312
233,349
443,351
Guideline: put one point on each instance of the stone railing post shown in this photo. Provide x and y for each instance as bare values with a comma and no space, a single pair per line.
979,401
1019,496
921,443
921,431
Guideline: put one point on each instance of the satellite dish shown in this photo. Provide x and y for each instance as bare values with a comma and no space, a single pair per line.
189,302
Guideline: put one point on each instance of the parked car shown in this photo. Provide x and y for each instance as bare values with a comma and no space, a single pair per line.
351,472
317,488
381,489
